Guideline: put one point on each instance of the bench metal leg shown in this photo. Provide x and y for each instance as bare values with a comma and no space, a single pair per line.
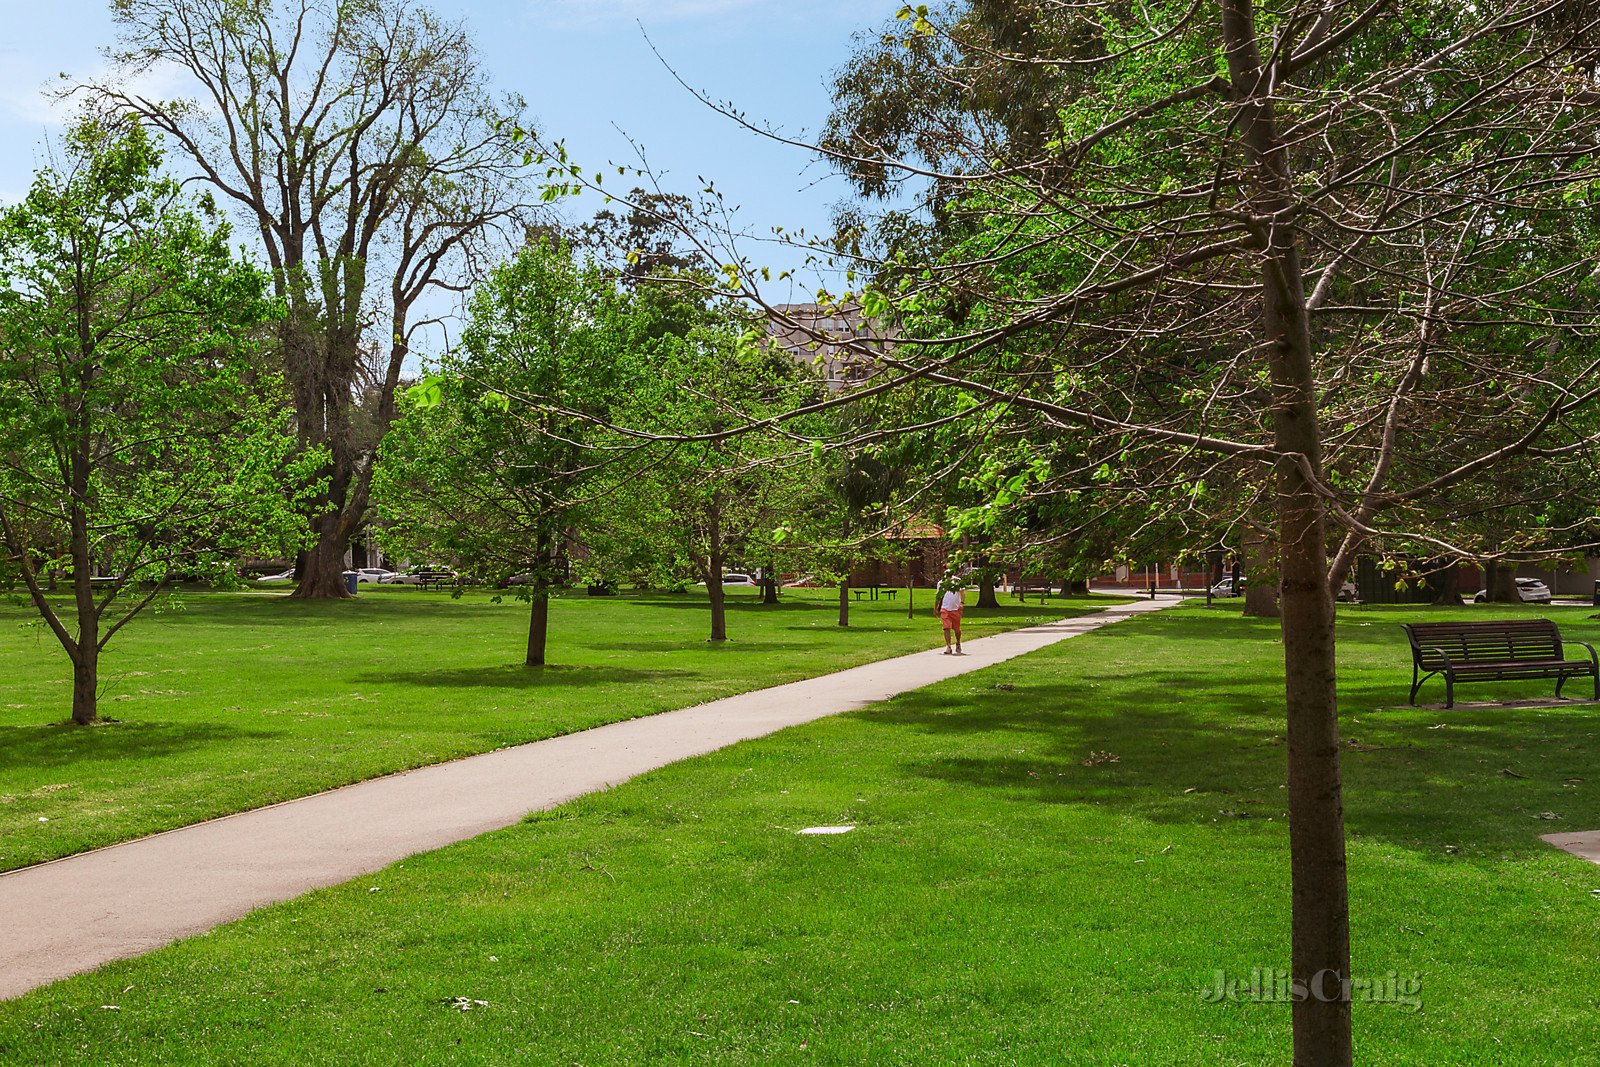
1416,683
1449,692
1561,680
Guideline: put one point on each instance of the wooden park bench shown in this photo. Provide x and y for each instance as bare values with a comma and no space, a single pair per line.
1039,586
1494,651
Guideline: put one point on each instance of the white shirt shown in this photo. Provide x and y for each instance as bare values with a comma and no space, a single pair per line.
951,601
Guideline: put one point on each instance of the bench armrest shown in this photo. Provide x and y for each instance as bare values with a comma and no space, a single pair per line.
1418,650
1594,657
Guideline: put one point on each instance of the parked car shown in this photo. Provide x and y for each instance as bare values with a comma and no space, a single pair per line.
373,574
805,581
277,579
1531,590
734,579
1346,593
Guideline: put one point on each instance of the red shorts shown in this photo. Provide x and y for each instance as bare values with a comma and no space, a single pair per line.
951,619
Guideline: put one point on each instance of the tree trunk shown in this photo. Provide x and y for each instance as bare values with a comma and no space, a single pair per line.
320,365
85,686
719,617
85,651
538,623
1080,587
321,569
911,592
769,585
1446,583
1261,594
986,597
844,602
1320,908
1500,583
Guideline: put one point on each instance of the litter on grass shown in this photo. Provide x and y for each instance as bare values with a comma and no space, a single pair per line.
826,830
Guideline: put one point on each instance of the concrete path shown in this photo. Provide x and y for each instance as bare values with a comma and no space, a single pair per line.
1584,843
74,914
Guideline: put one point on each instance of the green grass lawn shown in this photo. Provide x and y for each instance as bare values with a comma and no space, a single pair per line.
233,701
1013,894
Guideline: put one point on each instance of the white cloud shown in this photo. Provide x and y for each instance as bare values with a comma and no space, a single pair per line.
29,94
25,97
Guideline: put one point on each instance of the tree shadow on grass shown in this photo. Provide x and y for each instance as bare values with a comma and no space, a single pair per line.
733,645
62,744
1171,748
738,603
302,617
519,676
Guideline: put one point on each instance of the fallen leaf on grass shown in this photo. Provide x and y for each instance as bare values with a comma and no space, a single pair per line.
1100,759
464,1003
1547,815
1509,773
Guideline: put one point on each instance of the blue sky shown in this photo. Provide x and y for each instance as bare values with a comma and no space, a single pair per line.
586,70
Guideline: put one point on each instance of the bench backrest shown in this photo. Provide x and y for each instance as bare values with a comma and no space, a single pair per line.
1466,642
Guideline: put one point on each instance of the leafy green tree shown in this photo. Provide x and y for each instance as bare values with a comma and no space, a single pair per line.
641,238
700,498
137,439
361,144
495,457
1344,249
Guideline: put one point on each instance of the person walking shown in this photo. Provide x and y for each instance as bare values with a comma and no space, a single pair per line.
951,597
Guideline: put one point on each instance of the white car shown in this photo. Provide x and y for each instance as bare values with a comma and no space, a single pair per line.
1346,593
734,579
372,574
1531,590
277,579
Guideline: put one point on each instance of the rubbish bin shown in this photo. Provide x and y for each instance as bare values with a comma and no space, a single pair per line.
351,582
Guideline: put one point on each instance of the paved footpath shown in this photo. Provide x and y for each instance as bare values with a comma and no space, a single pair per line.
1584,844
74,914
